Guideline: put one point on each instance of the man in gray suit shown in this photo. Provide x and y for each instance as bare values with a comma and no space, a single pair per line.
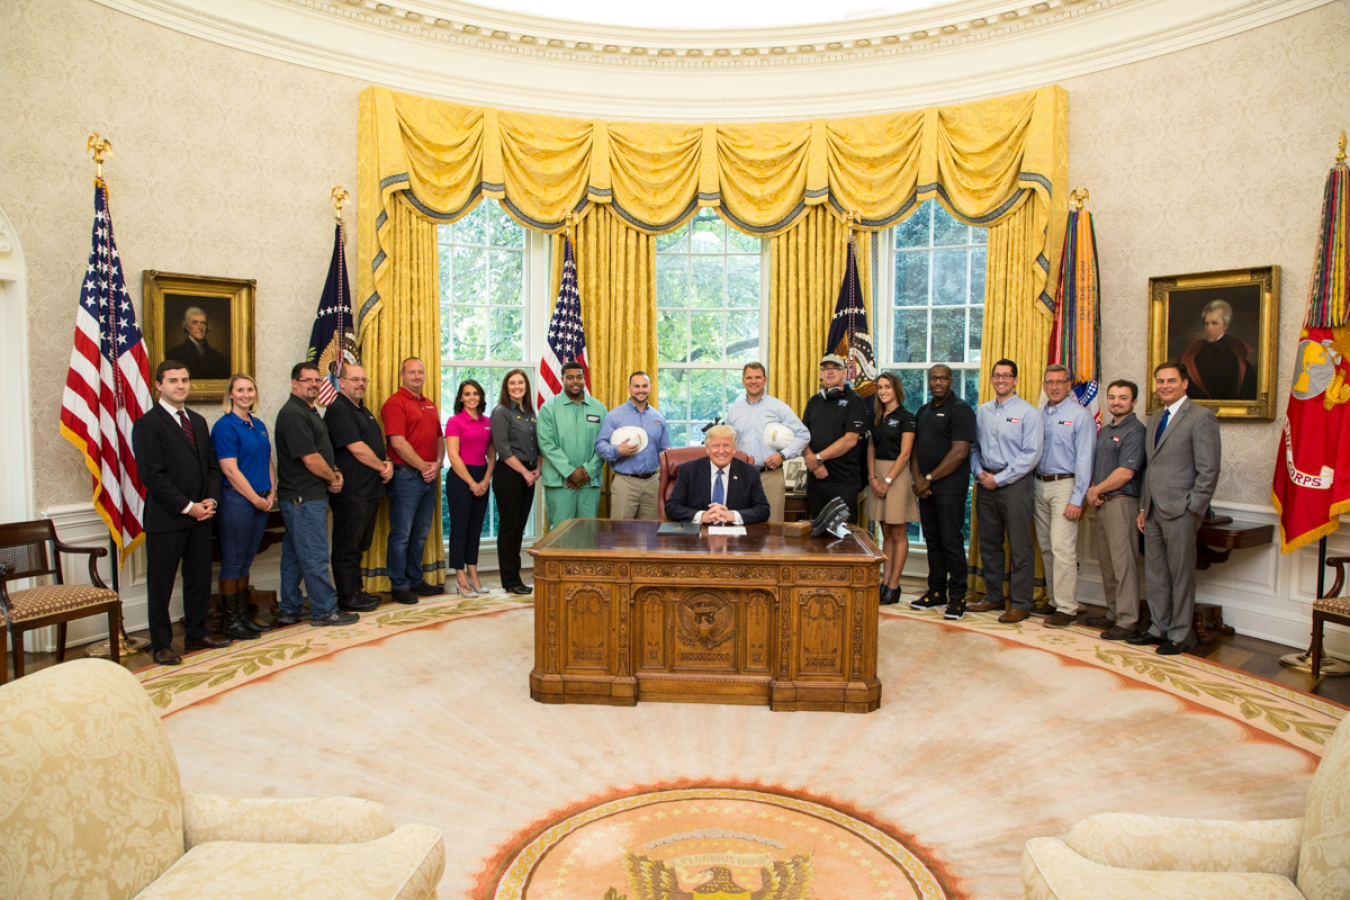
1183,452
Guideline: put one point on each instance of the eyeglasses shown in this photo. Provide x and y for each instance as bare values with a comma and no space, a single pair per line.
1001,377
309,380
1056,383
939,378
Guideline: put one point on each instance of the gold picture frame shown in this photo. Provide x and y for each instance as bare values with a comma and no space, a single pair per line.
224,306
1234,373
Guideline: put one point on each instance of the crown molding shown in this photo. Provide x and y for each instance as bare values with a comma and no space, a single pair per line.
951,52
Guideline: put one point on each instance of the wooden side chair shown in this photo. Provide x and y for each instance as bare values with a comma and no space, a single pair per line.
31,550
1331,608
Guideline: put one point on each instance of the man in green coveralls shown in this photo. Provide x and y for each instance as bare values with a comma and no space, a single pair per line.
568,426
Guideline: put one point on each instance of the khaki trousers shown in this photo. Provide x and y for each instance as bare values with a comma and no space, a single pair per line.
775,490
1118,558
1058,539
634,498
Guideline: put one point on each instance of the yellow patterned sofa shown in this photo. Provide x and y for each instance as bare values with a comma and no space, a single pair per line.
1114,857
91,807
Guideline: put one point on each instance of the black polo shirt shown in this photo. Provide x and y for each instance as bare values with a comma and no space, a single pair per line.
938,428
348,423
889,435
828,421
299,432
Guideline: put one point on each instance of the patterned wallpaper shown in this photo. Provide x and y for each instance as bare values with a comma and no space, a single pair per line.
1210,158
222,165
1213,158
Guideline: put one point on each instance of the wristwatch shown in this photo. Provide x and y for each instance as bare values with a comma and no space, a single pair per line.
888,479
928,478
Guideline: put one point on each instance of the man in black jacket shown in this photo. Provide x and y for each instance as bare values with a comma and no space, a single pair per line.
178,467
718,489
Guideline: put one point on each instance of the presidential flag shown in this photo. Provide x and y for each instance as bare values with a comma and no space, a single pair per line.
849,335
332,341
566,336
108,385
1311,488
1074,336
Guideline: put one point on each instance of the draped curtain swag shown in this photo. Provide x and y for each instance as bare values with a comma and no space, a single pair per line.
983,161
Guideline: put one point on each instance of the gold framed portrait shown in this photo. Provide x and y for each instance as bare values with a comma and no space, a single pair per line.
204,323
1224,328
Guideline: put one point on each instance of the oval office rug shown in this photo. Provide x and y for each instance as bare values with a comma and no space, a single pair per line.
988,735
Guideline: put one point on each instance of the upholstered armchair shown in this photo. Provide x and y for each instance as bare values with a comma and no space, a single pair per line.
91,806
1114,857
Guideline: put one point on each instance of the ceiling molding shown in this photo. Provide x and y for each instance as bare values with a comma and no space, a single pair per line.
951,52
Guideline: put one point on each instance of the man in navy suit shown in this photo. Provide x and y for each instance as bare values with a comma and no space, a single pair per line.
718,489
178,466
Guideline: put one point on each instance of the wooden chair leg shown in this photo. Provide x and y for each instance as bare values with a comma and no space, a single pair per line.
16,636
1317,625
4,659
61,642
115,633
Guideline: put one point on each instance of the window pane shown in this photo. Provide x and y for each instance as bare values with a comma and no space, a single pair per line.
708,234
947,230
979,235
470,330
672,281
507,278
503,230
911,279
675,241
706,337
970,388
739,242
949,277
679,434
470,275
949,335
913,232
978,264
473,228
742,336
708,289
674,393
742,282
705,400
911,336
976,334
672,337
507,334
915,383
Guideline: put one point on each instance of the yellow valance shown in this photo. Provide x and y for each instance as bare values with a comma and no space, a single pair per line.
982,161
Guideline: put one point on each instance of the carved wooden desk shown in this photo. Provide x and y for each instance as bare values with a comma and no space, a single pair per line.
624,614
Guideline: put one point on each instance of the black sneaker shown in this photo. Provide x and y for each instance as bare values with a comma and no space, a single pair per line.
929,600
286,619
422,589
336,617
358,603
955,610
405,597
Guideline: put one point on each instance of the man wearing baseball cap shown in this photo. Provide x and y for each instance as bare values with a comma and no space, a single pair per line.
635,489
751,415
837,418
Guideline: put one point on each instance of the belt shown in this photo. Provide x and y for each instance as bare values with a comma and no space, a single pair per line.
1115,496
1059,477
643,477
407,468
995,471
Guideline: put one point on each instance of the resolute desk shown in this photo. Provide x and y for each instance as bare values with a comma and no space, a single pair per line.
624,614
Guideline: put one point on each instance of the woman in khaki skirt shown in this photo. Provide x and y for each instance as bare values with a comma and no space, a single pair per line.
891,502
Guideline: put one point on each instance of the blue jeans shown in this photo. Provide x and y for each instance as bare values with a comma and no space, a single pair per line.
411,504
304,553
241,532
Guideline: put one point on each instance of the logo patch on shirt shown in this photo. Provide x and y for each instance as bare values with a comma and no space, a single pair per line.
1116,439
590,418
892,422
1066,422
843,403
1014,421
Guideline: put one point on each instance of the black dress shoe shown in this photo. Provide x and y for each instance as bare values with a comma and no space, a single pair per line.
405,597
358,603
166,657
1170,648
369,596
285,619
1145,638
206,643
422,589
522,589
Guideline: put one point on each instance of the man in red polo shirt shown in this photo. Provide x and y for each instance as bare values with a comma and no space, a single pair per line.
412,425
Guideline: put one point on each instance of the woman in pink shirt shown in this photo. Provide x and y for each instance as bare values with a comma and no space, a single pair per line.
468,444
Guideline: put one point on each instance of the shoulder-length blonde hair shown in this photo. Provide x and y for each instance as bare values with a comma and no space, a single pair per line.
226,404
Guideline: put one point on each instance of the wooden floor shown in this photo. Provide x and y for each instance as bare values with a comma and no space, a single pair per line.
1247,654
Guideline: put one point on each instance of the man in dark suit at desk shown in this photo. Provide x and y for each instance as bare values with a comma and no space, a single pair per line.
178,466
718,489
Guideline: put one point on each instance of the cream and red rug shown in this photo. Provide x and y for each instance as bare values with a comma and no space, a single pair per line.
988,735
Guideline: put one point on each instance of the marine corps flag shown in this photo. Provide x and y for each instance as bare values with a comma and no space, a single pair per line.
849,335
332,342
1312,472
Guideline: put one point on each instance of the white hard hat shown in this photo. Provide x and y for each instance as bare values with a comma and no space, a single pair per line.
629,433
777,436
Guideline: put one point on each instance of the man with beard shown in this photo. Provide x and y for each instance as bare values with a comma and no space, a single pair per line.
568,426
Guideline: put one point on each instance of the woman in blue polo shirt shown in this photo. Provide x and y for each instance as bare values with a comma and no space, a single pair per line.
245,455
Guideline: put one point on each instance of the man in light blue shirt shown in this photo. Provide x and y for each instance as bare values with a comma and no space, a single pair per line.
634,490
750,415
1063,477
1006,450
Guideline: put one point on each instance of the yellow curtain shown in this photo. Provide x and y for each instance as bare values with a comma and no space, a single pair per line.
982,161
806,267
1016,329
407,324
616,278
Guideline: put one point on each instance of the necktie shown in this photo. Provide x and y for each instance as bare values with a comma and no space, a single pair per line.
187,429
1162,426
719,496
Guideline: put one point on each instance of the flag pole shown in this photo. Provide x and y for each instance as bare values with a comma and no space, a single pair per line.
100,148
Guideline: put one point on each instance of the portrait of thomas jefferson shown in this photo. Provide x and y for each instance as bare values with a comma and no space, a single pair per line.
1221,365
203,361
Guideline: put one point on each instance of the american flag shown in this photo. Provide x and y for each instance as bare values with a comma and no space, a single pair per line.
108,385
566,336
332,343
